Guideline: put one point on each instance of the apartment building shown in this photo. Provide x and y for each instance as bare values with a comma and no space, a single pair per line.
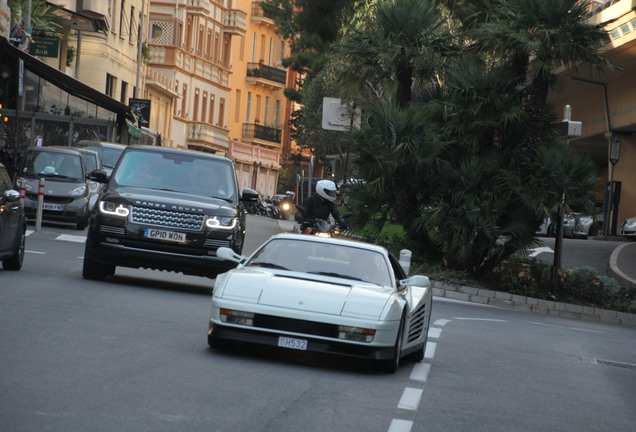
259,111
605,103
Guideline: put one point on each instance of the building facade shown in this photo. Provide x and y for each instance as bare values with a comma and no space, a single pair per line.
605,103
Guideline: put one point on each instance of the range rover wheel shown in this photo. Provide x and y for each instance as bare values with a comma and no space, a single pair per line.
92,269
15,262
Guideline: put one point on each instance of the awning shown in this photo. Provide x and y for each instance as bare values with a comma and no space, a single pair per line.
65,82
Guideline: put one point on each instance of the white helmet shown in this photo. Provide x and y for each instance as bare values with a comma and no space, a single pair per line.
327,190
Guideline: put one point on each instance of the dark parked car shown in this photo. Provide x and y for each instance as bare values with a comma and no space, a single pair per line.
12,224
167,209
109,152
66,193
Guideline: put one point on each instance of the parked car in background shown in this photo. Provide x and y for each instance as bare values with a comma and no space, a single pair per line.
109,152
575,224
324,295
93,161
167,209
66,195
628,229
12,224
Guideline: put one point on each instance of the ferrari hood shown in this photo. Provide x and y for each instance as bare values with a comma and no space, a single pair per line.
299,291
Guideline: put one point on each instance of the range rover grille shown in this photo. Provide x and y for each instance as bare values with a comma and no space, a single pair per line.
167,218
217,243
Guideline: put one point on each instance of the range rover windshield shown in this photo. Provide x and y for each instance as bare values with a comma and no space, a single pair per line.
177,172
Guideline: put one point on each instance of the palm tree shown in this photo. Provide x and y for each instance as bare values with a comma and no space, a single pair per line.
43,17
533,38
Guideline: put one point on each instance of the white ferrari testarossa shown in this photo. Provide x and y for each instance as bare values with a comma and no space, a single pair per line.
326,295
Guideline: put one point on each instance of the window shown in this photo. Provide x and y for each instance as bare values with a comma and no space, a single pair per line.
111,83
195,108
131,24
200,40
211,118
188,41
266,113
237,106
204,106
184,101
248,107
277,114
208,45
222,113
121,18
124,92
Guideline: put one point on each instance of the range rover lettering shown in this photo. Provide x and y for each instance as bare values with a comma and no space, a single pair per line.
165,209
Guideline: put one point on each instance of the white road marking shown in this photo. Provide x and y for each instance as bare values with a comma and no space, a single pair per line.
479,319
430,350
441,322
410,399
71,238
35,252
420,372
540,250
434,332
398,425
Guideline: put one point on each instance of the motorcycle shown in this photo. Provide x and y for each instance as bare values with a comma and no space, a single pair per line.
320,228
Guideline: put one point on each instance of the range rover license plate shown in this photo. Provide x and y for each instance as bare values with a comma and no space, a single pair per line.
286,342
164,235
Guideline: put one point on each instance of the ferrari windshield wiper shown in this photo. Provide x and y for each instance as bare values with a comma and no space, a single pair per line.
322,273
268,265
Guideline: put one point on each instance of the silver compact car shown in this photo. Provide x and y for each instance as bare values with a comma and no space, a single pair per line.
65,194
628,229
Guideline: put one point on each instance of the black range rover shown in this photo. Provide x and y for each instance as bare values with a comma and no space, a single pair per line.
165,209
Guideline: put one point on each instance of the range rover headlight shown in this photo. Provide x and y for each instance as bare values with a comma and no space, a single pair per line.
216,222
114,209
78,191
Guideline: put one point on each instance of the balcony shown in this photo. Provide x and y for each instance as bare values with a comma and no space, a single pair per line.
208,137
259,17
267,76
234,22
259,134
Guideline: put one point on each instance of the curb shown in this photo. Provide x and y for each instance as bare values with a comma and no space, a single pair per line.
615,271
546,307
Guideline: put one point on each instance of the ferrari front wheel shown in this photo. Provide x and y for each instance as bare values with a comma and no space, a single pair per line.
391,365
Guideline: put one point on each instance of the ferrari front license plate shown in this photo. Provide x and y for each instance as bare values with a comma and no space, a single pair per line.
164,235
285,342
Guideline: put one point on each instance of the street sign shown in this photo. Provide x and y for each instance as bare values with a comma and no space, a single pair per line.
615,149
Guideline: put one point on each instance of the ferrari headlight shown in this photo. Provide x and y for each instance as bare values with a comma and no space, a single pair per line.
216,222
78,191
114,209
237,317
356,334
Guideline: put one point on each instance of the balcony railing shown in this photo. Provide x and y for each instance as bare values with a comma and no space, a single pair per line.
234,21
258,12
260,70
265,133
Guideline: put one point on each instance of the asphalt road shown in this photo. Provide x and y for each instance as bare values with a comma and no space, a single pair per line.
130,354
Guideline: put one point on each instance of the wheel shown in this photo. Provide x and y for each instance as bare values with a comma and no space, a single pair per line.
391,365
15,262
596,230
93,269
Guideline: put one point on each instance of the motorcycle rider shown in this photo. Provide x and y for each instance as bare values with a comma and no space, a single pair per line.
322,204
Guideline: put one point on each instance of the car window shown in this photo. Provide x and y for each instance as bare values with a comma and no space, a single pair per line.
326,259
177,172
90,161
109,156
62,166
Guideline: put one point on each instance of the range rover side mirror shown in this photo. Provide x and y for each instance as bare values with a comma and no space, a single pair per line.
249,195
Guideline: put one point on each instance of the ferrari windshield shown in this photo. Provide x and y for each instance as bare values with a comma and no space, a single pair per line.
326,259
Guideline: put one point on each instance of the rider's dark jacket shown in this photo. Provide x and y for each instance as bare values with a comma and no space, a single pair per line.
319,208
